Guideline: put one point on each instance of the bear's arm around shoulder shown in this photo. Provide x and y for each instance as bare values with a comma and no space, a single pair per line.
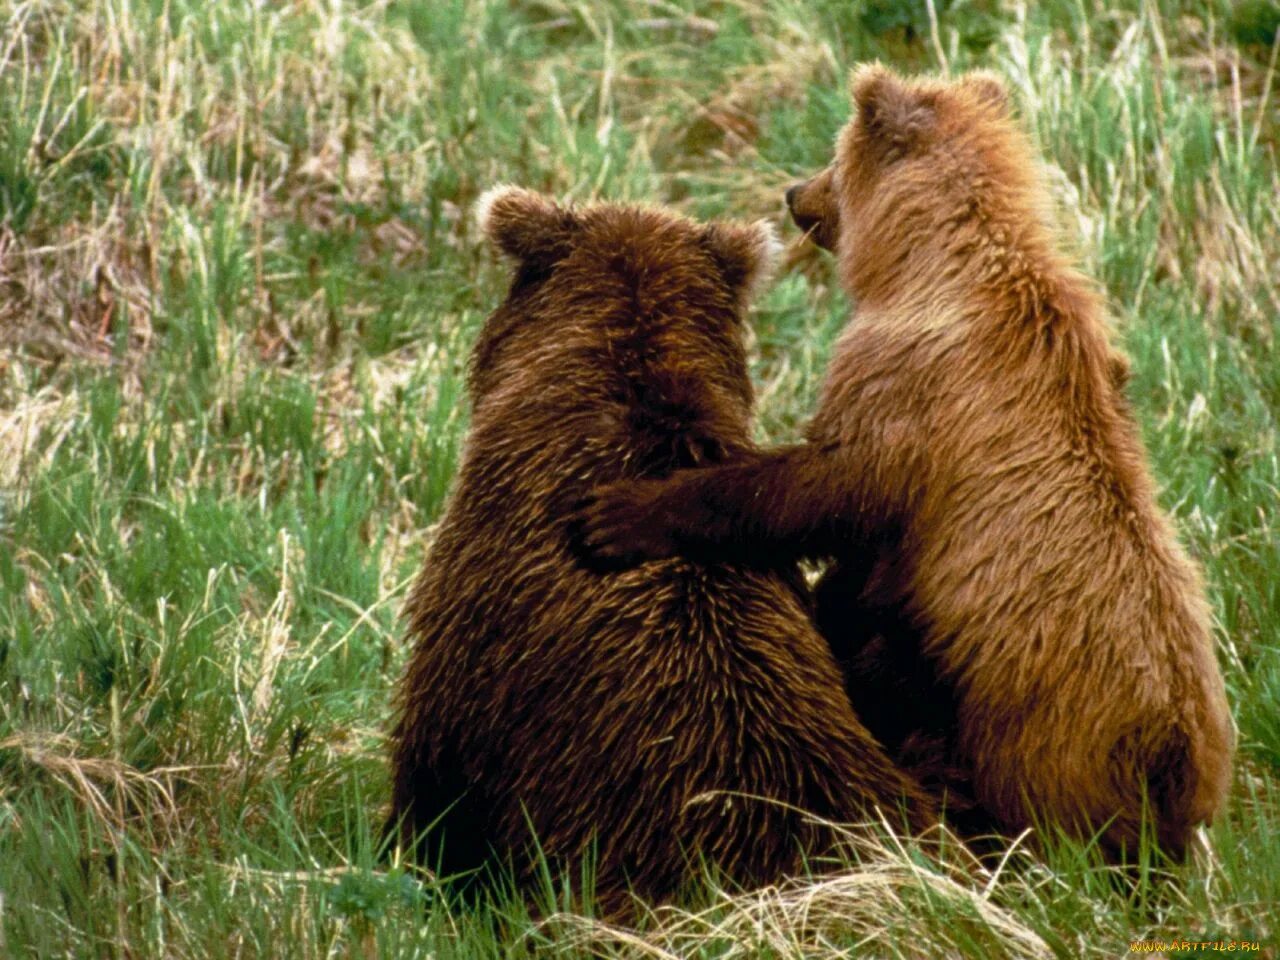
769,506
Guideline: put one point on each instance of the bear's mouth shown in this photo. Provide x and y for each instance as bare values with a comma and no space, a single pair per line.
812,228
815,229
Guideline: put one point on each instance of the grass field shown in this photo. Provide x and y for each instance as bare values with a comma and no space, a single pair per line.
238,284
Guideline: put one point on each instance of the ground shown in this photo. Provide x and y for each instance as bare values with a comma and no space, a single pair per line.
238,283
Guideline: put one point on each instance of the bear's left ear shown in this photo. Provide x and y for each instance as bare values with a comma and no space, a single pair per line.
746,253
895,117
525,225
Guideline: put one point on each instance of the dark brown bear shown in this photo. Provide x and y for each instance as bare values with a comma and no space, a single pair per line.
658,716
972,440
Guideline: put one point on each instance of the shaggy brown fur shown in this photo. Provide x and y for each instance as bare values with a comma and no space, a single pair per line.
972,431
583,708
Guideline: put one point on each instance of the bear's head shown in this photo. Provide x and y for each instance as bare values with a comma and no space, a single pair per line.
622,334
610,284
917,157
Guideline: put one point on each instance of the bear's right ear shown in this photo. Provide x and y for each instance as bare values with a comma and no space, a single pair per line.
988,88
895,118
526,226
746,253
1121,371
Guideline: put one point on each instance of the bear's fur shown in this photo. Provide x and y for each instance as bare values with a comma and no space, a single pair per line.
655,717
973,435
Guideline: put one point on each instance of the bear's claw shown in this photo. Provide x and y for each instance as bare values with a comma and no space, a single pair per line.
613,526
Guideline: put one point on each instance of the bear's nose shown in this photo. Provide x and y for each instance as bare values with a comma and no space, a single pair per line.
791,196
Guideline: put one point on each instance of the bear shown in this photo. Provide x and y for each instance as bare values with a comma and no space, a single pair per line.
1016,617
649,721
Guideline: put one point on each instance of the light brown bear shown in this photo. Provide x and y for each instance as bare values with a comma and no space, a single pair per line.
973,434
662,717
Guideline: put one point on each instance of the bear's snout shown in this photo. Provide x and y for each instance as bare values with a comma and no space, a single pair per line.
806,219
810,206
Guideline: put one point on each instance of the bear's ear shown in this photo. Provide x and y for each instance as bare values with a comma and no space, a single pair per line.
988,88
746,253
1120,370
895,117
526,226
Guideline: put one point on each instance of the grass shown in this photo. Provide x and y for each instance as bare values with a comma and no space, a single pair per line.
238,283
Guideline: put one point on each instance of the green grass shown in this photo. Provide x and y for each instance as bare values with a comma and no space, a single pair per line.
238,284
